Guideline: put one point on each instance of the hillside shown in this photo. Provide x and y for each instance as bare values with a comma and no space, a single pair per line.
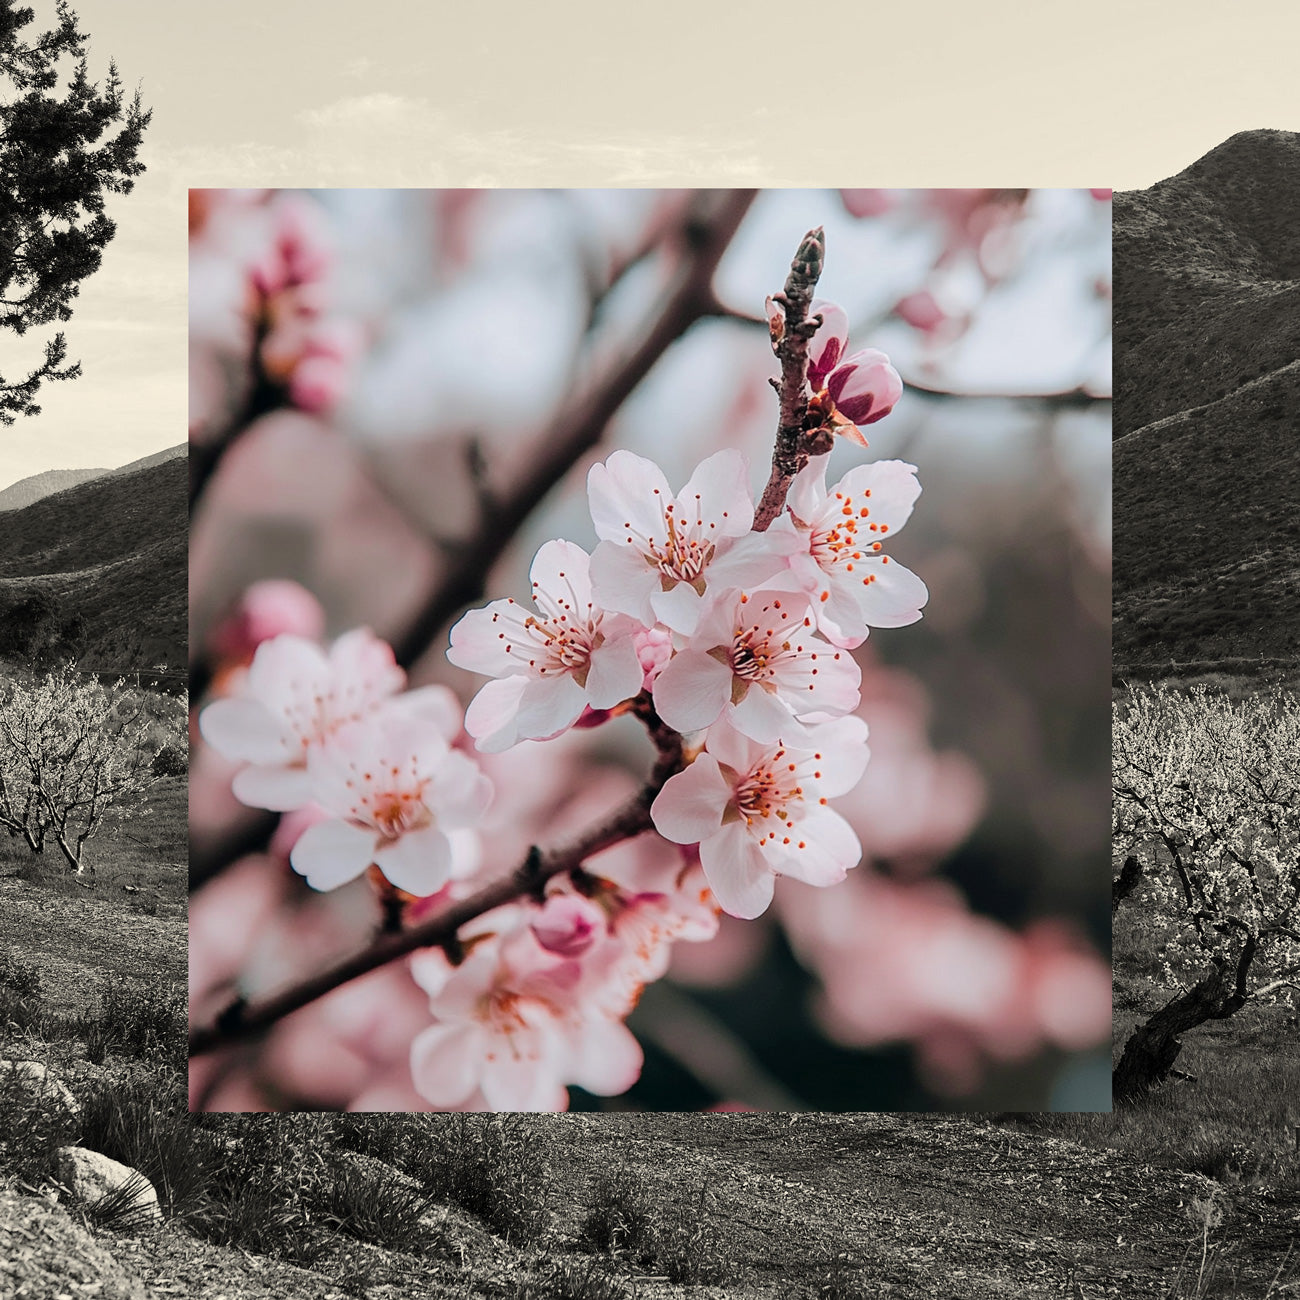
29,490
110,553
1207,441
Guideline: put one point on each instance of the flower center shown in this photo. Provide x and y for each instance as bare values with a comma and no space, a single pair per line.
684,551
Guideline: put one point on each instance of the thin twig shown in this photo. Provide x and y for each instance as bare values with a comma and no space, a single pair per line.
793,443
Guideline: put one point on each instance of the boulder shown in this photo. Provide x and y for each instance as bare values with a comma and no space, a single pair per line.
35,1079
90,1176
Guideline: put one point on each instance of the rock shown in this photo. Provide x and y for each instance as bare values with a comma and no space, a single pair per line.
89,1176
34,1078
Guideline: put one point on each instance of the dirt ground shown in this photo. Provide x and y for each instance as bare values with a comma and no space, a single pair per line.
936,1208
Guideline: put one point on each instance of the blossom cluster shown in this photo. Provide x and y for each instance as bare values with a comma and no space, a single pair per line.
738,638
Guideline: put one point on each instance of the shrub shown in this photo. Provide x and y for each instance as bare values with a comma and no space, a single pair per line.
34,1123
492,1166
623,1214
373,1204
145,1021
20,993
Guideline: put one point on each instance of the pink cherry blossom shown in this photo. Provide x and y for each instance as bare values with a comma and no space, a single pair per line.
758,811
395,789
294,698
658,552
508,1024
550,664
863,387
852,585
756,661
568,924
268,609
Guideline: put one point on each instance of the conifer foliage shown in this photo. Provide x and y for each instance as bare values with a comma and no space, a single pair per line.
63,149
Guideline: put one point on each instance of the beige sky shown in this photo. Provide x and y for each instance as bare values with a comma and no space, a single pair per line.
509,91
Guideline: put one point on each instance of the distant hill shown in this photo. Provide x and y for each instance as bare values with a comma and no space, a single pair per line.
109,553
1207,411
29,490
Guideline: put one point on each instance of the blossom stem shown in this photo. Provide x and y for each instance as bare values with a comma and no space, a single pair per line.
241,1020
795,442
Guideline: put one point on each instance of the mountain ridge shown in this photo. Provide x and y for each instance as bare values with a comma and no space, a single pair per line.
27,491
1207,444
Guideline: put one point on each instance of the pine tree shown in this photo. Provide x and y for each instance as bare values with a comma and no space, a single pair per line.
62,150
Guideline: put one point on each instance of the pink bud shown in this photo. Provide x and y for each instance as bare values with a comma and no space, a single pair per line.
921,310
826,347
317,384
865,387
266,610
654,648
1102,196
568,924
867,203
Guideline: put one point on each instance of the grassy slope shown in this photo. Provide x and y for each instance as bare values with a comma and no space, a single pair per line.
1207,476
113,549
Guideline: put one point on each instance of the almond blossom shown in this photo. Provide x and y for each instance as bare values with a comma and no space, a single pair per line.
397,791
658,552
509,1023
760,810
756,661
550,663
842,531
294,697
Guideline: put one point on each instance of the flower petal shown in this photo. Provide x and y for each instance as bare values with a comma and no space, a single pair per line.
692,690
281,789
689,808
627,493
445,1063
615,672
895,596
678,608
549,706
607,1057
622,581
737,872
418,862
331,853
719,492
243,729
493,714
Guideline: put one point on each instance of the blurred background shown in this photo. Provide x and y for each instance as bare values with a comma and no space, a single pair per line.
372,372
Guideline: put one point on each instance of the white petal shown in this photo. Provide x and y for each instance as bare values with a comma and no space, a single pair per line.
522,1075
549,706
492,716
893,489
678,608
608,1058
845,754
445,1062
622,492
692,690
722,484
830,849
436,706
737,872
807,492
243,729
730,747
561,571
621,581
689,808
331,853
895,596
762,716
281,789
615,673
418,862
480,639
754,560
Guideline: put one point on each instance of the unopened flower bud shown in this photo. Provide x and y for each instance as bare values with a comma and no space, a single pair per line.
568,924
865,387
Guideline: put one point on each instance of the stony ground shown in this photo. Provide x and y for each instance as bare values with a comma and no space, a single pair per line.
937,1208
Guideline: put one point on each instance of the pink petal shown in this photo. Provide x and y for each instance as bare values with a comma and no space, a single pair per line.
830,849
894,488
492,716
608,1058
281,789
436,706
445,1063
563,568
622,581
828,344
807,494
615,673
721,483
331,853
678,609
243,729
895,596
865,388
692,690
762,716
549,706
479,639
737,872
690,806
842,742
622,493
418,862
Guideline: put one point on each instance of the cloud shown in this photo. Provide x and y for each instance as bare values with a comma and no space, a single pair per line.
379,109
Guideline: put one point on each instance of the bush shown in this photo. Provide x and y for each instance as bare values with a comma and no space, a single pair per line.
373,1204
146,1021
492,1166
170,760
20,993
33,1125
623,1214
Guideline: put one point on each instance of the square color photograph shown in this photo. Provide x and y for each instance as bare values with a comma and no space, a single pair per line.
650,650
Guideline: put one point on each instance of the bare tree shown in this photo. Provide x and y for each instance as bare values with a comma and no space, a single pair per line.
71,749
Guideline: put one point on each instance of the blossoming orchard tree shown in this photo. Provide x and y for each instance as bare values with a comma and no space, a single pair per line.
1207,819
450,868
71,750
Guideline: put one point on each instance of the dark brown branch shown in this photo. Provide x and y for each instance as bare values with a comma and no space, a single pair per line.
1126,882
240,1021
793,445
578,427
